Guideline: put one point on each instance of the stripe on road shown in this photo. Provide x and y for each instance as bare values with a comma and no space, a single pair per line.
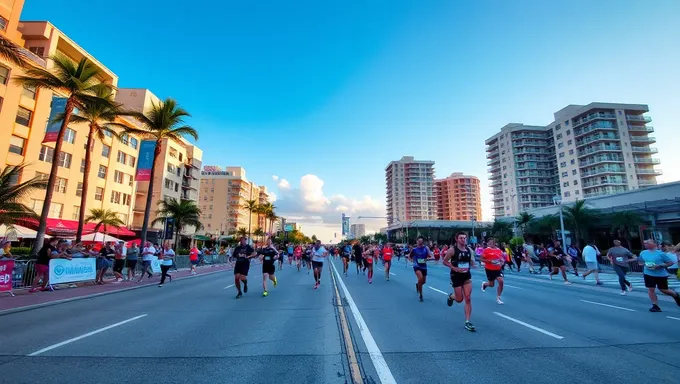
608,305
435,289
376,356
51,347
228,286
674,318
506,285
537,329
382,269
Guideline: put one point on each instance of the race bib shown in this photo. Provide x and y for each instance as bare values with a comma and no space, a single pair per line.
463,265
619,259
267,258
650,264
420,261
495,262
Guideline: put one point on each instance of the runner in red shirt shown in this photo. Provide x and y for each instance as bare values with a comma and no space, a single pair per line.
493,263
437,254
193,258
387,254
368,259
298,255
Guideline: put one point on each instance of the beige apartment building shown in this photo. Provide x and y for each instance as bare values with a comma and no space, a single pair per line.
410,190
24,114
458,198
224,193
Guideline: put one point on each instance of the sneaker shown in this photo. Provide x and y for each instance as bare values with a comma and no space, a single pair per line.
265,294
245,286
599,283
624,293
276,281
677,298
483,286
655,308
629,287
498,300
469,326
421,297
316,285
160,285
449,301
584,277
238,296
370,281
567,283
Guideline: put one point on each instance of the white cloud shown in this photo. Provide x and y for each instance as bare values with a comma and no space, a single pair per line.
272,197
275,178
284,184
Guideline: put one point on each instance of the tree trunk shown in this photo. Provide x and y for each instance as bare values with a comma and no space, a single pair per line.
86,183
176,236
250,220
149,196
42,226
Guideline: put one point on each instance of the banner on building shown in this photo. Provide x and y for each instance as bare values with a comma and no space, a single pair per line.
345,225
169,228
6,268
145,160
52,130
69,271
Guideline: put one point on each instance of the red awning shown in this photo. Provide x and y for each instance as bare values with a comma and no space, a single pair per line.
61,227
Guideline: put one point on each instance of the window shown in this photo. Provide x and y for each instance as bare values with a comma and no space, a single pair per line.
70,136
171,168
565,174
573,171
569,142
133,161
560,145
504,167
118,177
563,164
571,151
65,160
107,133
505,175
576,192
124,138
176,187
102,172
24,116
566,123
46,154
82,166
122,157
559,136
28,92
4,74
558,127
134,142
173,152
180,157
568,132
43,177
106,150
126,199
573,161
567,194
565,184
561,154
60,185
575,182
76,212
123,217
36,205
39,51
99,194
115,197
56,210
169,183
17,144
79,190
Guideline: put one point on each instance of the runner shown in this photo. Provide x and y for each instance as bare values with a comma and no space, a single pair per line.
269,255
193,258
573,252
242,253
590,254
655,273
368,260
298,256
668,248
620,257
319,253
147,254
419,256
530,255
387,254
346,252
358,256
493,259
437,254
459,259
559,260
290,249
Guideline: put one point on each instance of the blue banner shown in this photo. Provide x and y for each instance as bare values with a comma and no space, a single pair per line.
145,161
52,131
345,225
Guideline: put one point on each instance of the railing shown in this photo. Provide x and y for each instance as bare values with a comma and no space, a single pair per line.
594,127
601,115
641,171
643,139
644,150
646,160
596,137
599,148
640,128
598,171
646,119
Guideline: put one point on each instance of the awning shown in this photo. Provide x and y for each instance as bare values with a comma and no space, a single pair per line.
100,237
68,228
17,232
202,238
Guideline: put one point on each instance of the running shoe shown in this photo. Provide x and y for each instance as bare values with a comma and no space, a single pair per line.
567,283
245,286
624,293
238,296
276,281
160,285
449,301
421,298
469,326
370,281
498,300
629,287
677,298
483,286
265,294
599,283
654,308
316,285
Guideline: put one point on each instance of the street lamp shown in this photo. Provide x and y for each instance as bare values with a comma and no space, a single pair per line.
557,200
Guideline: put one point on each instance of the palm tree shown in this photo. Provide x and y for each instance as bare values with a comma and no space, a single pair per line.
99,114
523,220
103,218
547,224
259,233
241,232
164,121
266,211
501,230
623,223
78,82
183,212
580,217
11,52
251,206
13,193
272,217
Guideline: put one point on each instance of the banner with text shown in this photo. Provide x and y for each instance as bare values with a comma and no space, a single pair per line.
145,160
69,271
155,264
6,267
52,130
345,225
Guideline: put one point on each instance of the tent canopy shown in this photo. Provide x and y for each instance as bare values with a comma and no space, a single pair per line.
17,232
100,237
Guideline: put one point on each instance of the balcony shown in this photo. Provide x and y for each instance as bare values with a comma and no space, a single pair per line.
603,170
642,118
593,116
528,143
597,126
522,150
535,182
599,148
527,135
527,166
597,137
640,128
648,171
495,176
604,181
646,160
495,184
644,182
493,161
188,185
644,150
643,139
601,159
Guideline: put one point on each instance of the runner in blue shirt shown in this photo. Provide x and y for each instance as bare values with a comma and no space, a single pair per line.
655,273
419,256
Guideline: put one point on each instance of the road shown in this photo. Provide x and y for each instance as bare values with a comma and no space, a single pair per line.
195,331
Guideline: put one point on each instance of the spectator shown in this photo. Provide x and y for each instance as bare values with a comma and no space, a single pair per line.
104,262
50,250
573,252
667,247
5,253
167,255
131,257
119,262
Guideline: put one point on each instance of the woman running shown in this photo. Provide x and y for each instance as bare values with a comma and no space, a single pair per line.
347,250
387,254
368,259
269,255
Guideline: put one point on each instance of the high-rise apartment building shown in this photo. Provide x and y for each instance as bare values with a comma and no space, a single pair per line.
410,190
224,194
176,169
458,198
357,230
591,150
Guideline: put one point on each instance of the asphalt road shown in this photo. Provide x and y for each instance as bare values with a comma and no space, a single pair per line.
195,331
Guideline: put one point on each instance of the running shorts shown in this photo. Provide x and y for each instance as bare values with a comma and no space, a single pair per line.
459,279
194,262
592,265
241,268
268,268
317,264
557,262
656,282
131,264
118,265
492,275
423,270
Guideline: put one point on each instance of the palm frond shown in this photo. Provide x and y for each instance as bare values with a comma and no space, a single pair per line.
11,52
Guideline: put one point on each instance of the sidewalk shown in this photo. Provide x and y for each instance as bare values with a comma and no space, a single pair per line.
24,300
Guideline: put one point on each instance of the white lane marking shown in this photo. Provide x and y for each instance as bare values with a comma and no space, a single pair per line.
228,286
382,269
674,318
506,285
608,305
51,347
435,289
543,331
377,358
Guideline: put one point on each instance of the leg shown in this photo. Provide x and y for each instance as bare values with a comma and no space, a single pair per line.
164,272
467,293
237,282
265,276
651,292
499,290
564,272
419,283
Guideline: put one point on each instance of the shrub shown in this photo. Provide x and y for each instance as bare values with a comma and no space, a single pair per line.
516,241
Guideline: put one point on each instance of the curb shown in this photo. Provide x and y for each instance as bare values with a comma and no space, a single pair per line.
93,295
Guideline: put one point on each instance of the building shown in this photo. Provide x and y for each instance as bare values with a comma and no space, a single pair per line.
224,196
458,198
357,230
410,190
176,169
24,114
587,151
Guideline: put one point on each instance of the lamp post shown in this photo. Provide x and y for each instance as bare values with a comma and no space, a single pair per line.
557,200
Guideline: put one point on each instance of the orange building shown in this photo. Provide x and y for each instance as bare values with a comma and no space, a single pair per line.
458,198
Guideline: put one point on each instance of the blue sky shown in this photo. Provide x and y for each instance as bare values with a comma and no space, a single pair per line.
337,89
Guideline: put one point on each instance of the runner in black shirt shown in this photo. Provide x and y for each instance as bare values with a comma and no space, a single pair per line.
459,259
242,254
559,261
358,256
269,255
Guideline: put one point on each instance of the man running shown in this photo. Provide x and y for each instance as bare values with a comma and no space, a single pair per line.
387,254
346,253
620,258
319,253
494,259
530,255
655,274
307,257
590,254
291,251
269,255
358,256
298,256
419,256
242,253
559,259
459,259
